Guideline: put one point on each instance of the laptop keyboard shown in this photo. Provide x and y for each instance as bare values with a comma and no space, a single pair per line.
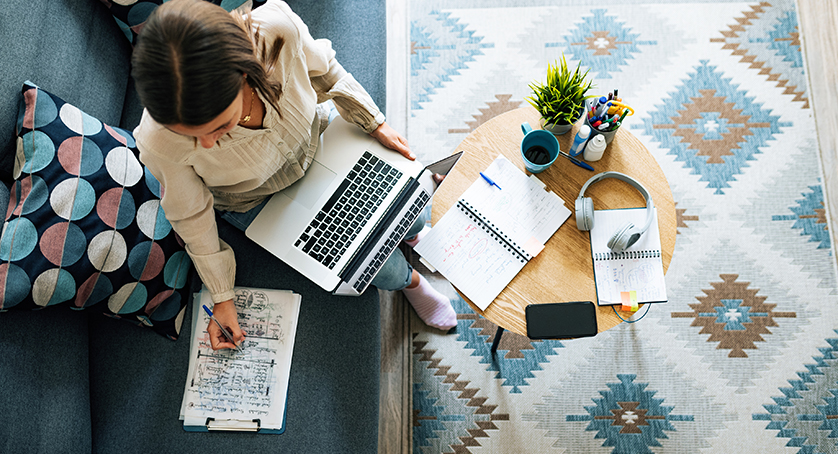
392,241
337,224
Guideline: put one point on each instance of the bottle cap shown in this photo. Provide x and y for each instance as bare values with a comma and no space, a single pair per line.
584,131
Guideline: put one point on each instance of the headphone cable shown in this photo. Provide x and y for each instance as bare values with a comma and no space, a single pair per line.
648,306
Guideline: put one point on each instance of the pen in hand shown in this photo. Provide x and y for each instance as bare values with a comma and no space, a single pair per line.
223,331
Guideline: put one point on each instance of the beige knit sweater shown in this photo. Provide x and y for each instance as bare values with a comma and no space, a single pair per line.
247,165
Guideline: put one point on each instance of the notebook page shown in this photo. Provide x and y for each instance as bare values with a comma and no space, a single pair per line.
639,269
473,260
246,385
521,208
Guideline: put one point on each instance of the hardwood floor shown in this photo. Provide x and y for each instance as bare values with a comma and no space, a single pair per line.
818,23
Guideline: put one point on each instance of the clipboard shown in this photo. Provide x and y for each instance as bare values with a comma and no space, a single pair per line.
230,425
247,390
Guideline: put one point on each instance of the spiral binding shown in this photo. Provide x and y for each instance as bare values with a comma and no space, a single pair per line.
627,255
489,227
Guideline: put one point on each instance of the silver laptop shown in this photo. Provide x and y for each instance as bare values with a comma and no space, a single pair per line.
339,223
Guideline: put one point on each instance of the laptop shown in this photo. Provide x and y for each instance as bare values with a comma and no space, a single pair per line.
340,222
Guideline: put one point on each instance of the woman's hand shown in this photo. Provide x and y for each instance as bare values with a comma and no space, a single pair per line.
225,313
392,140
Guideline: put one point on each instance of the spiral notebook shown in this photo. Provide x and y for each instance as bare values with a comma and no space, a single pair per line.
637,273
492,231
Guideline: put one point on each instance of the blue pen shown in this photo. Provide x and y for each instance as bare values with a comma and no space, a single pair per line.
489,180
581,164
226,333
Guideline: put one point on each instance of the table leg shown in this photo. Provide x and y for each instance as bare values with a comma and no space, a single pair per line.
495,343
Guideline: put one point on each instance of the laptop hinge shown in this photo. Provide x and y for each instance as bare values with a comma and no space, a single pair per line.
380,229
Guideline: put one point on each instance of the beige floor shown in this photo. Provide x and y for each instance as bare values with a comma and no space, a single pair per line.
818,23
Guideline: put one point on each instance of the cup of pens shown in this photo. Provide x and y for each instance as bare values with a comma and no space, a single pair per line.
605,114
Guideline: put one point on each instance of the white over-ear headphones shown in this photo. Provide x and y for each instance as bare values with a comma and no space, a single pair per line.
628,233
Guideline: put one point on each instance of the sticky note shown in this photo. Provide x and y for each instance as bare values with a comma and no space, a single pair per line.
629,301
533,246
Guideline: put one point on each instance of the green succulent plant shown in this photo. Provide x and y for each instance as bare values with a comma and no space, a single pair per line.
563,95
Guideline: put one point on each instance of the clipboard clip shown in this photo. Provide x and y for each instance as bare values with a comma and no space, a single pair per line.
233,425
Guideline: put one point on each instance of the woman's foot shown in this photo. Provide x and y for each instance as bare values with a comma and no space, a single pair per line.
413,241
433,307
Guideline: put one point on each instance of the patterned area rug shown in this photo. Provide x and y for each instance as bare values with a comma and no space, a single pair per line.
744,356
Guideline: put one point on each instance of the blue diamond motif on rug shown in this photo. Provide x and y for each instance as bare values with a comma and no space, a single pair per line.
807,413
712,126
601,43
785,39
629,418
439,48
810,215
513,367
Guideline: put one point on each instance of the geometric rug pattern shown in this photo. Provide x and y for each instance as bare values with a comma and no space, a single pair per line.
744,356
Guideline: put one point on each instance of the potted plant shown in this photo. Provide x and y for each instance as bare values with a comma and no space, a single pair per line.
561,100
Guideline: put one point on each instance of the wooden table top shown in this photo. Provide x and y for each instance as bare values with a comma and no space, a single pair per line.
563,271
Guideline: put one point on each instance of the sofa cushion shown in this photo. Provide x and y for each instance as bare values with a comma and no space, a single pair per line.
84,223
71,46
333,389
45,397
130,15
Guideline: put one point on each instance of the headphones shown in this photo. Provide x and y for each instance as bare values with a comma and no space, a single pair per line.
628,233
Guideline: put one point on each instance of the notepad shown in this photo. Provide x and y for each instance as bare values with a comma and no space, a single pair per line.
491,233
242,391
633,275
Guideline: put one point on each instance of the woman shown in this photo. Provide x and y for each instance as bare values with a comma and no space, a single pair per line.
234,114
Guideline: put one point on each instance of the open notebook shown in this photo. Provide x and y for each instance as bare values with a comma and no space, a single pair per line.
637,273
488,236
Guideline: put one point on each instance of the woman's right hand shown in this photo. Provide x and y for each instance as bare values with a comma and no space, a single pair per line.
225,313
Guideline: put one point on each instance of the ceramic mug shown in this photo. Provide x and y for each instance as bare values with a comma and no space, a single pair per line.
539,148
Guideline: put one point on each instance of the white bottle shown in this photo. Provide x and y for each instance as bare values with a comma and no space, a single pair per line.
595,148
579,140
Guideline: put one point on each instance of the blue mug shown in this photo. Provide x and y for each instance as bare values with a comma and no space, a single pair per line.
539,149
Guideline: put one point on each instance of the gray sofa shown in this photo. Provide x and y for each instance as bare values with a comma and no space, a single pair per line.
77,381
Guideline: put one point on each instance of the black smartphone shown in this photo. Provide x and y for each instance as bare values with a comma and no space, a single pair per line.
561,320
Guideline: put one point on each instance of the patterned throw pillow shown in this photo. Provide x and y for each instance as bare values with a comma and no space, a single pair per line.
130,15
84,225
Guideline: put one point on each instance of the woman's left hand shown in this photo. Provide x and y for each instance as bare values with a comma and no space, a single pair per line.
392,140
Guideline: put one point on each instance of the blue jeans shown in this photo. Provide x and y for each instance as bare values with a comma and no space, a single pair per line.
395,274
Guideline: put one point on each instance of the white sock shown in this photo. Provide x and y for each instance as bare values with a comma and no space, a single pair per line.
416,239
433,307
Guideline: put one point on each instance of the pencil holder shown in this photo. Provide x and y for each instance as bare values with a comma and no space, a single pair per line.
608,133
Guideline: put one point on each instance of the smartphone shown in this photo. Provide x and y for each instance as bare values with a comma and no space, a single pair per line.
561,320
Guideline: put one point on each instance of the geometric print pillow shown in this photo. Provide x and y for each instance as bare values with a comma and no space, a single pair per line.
84,226
131,15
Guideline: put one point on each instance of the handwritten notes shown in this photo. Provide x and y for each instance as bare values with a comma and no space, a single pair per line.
475,260
638,270
490,234
251,384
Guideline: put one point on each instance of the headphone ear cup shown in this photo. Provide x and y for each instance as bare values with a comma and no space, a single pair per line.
584,213
621,239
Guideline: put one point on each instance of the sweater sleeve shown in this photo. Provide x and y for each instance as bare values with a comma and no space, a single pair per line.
328,77
188,205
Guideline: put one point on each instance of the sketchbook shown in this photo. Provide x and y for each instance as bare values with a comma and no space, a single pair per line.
635,275
242,391
492,231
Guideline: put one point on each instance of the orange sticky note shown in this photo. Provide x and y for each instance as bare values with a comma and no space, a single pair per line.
625,299
629,301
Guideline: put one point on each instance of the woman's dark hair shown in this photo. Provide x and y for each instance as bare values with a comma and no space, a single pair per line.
190,60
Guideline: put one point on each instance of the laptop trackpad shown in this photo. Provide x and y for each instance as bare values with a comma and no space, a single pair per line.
308,189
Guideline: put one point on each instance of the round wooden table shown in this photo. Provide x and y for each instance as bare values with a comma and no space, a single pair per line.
563,271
